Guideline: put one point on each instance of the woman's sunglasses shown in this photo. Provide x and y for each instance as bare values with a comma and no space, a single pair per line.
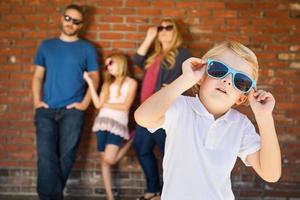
219,70
167,28
67,18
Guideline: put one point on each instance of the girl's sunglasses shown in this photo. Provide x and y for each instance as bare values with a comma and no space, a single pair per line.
67,18
219,70
108,64
167,28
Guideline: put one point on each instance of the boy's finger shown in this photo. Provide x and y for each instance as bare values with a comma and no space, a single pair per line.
251,95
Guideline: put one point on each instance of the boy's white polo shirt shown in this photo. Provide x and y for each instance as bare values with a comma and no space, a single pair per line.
200,152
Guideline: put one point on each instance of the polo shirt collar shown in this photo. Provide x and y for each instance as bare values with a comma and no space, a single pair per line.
200,109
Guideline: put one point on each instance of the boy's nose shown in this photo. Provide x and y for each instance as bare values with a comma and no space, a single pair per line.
227,79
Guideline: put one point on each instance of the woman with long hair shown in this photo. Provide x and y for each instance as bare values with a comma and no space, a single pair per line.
162,65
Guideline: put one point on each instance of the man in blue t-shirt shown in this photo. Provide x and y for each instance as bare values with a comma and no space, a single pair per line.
60,99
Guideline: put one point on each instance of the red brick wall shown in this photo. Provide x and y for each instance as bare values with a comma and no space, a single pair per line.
270,28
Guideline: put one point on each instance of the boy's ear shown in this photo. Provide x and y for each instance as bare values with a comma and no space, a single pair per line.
201,81
241,100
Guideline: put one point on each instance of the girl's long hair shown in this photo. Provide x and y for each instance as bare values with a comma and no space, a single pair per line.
169,57
121,60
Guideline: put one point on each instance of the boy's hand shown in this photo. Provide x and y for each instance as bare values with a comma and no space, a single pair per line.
193,70
261,102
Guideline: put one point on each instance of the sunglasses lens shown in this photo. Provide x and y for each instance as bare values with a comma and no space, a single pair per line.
67,18
242,82
216,69
109,63
169,28
160,28
76,22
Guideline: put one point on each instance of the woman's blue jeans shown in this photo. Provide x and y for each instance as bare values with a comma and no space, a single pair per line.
144,143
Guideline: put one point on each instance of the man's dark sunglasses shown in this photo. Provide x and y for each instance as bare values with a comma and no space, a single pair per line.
67,18
167,28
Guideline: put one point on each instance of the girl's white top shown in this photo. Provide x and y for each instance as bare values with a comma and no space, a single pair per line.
113,120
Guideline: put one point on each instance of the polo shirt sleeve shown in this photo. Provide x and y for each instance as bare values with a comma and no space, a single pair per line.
172,115
40,56
250,143
91,59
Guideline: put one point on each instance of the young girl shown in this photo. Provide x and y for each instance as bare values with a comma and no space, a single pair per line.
162,66
204,134
116,96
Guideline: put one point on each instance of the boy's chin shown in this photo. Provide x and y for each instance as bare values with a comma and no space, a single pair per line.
219,105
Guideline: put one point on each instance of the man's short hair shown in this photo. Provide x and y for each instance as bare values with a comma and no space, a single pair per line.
74,7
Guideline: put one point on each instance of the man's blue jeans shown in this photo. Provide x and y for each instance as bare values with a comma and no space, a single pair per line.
57,137
144,143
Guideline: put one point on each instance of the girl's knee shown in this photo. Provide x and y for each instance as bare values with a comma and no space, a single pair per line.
109,160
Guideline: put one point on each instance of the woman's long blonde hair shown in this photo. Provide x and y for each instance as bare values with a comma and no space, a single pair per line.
169,57
121,60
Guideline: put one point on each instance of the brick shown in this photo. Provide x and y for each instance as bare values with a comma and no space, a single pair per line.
212,5
111,36
225,13
23,9
163,4
239,5
295,48
123,45
123,11
5,9
188,4
199,13
109,3
10,67
130,28
148,12
295,6
295,65
133,3
137,19
286,56
173,13
112,19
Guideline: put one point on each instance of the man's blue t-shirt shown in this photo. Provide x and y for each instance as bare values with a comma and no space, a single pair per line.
65,63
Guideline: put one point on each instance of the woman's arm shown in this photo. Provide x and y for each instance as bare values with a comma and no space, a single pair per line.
150,36
151,113
129,98
267,161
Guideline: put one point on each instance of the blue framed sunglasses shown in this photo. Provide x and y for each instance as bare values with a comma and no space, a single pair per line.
219,70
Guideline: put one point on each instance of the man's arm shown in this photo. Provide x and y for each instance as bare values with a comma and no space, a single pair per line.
37,83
